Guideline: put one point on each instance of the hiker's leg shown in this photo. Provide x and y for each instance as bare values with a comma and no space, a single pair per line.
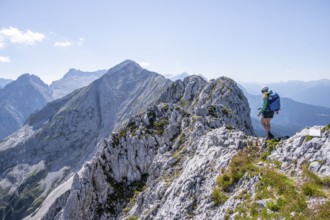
264,123
268,127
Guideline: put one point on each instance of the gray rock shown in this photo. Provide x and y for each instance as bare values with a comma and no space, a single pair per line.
174,154
66,133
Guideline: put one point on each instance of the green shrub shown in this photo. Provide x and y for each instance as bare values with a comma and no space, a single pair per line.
165,107
122,133
225,111
229,127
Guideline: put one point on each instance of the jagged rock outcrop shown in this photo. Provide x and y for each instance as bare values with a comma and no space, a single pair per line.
72,80
303,149
57,140
172,153
192,156
19,99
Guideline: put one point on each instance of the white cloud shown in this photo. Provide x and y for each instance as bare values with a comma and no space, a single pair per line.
81,41
4,59
63,44
144,64
2,44
20,37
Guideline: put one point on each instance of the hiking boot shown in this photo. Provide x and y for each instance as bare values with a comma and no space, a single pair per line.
269,136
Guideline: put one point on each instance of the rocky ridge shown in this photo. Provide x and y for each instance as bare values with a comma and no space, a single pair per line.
157,153
192,156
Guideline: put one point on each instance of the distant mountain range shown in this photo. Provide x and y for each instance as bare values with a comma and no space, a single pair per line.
27,94
311,92
176,77
4,82
72,80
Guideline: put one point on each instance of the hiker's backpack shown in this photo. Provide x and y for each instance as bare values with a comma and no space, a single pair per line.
274,102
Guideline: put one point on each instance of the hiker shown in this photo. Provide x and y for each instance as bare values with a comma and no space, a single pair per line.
266,112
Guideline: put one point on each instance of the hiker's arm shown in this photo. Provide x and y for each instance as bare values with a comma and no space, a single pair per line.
264,105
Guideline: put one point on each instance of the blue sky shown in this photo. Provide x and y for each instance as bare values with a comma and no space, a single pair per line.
247,40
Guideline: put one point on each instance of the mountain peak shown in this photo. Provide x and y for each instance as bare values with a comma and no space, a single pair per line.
74,73
26,77
129,62
127,65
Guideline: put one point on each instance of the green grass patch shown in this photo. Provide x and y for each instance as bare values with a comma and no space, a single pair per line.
239,165
160,125
326,128
285,195
313,178
321,212
308,138
219,197
312,190
273,206
271,144
265,155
